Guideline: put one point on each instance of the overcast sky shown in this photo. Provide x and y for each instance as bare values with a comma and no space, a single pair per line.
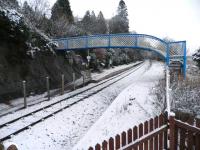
177,19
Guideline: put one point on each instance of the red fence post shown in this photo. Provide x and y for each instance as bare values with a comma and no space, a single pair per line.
161,122
90,148
198,122
182,139
135,135
140,135
123,138
172,127
156,137
98,147
197,143
146,130
151,129
111,144
117,141
105,145
130,135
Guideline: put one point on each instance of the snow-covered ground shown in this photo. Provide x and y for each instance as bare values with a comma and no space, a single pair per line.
66,128
132,106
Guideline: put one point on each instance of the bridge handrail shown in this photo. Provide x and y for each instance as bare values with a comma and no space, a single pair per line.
118,34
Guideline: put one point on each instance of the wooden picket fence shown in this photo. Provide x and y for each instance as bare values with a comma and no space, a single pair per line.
155,134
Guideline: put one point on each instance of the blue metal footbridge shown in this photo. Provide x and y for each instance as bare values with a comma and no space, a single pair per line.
170,51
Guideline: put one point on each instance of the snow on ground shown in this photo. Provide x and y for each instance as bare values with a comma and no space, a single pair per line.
98,76
133,106
66,128
19,102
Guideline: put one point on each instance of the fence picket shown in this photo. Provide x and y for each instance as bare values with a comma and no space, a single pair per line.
156,136
151,129
146,130
140,135
135,135
130,135
98,147
197,138
198,122
197,143
117,141
105,145
190,140
182,139
90,148
111,144
161,122
123,138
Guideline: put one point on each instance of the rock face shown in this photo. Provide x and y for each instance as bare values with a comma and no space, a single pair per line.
27,54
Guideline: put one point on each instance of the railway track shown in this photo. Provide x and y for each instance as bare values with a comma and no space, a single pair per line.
16,124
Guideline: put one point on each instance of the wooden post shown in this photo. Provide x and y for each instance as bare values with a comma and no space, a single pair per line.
135,136
117,141
197,144
111,144
105,145
172,137
146,130
130,135
24,93
156,137
150,130
123,135
161,122
48,92
83,78
62,84
98,147
74,79
141,132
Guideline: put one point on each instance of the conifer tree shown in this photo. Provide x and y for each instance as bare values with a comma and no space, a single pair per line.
120,22
62,9
101,24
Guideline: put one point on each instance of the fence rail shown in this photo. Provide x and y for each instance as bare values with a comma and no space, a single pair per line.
184,135
154,134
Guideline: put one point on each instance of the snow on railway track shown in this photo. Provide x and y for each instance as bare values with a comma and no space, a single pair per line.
13,124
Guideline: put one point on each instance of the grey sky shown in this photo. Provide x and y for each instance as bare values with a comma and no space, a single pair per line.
177,19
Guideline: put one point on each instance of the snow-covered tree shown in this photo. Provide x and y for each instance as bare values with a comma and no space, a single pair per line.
35,14
196,57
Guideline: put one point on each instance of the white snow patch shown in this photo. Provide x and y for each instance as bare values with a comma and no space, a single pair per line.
12,14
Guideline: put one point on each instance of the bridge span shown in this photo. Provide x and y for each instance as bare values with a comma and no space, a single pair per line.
170,51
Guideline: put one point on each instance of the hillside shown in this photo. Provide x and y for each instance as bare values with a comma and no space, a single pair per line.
26,54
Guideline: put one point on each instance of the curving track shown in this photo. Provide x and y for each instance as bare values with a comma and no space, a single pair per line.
17,124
